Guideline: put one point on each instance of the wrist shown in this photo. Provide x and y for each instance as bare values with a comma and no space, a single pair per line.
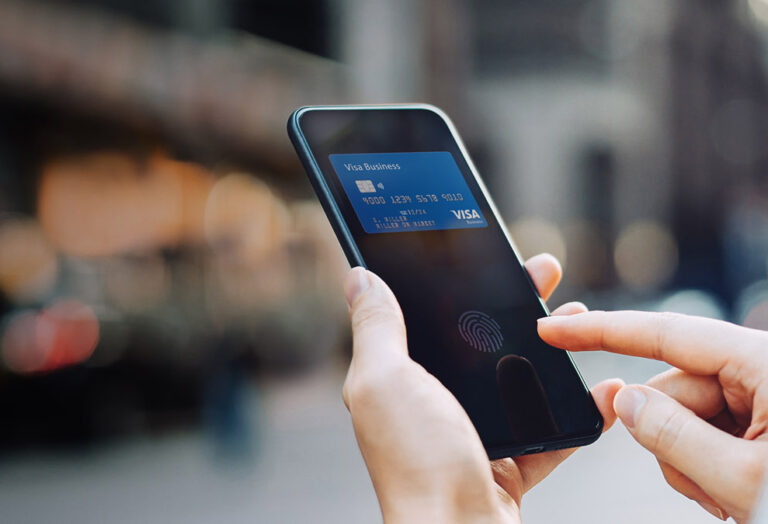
434,507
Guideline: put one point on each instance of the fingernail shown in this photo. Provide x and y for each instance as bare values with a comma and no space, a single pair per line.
628,403
357,281
547,320
714,510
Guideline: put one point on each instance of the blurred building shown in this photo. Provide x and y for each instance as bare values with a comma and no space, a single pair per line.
151,200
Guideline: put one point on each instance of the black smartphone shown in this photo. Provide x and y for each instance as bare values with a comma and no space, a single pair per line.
406,202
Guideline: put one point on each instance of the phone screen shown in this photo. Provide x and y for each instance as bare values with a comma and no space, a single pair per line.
421,221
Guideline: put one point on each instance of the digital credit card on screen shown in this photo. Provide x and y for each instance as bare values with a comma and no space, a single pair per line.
393,192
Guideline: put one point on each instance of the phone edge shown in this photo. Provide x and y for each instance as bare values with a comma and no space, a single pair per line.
315,175
355,258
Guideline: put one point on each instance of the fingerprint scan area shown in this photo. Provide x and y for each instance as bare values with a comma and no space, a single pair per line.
480,331
397,192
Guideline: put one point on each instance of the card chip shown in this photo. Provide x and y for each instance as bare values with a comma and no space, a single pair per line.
365,186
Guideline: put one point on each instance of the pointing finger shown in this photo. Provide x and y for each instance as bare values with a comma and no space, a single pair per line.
694,344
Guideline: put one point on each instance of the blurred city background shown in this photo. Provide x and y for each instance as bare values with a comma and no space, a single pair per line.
173,336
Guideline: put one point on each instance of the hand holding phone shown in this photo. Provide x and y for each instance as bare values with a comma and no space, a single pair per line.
406,202
424,456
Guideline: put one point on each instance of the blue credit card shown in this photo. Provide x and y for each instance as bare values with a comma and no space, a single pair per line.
393,192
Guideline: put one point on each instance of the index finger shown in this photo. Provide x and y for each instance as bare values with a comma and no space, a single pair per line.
694,344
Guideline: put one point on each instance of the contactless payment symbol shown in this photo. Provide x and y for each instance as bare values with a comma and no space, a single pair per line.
480,331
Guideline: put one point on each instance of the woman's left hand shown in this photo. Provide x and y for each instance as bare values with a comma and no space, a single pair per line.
423,454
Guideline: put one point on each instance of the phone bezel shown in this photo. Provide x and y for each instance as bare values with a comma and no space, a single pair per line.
355,258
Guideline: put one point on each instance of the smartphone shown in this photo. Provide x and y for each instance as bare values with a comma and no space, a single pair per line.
406,202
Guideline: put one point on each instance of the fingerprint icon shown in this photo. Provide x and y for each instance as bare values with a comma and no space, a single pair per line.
480,331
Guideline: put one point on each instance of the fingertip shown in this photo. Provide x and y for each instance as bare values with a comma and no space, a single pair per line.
628,402
355,283
545,261
570,308
604,393
546,272
549,326
609,387
572,332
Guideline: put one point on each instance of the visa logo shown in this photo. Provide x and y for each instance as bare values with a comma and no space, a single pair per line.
465,214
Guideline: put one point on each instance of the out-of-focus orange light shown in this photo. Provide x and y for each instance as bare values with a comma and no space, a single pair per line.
63,334
28,264
243,214
108,203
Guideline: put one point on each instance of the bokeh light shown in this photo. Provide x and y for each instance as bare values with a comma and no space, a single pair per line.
21,352
535,235
28,263
759,9
247,226
757,317
107,203
693,302
645,255
63,334
67,331
242,213
752,305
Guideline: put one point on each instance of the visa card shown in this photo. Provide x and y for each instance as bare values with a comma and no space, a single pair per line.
393,192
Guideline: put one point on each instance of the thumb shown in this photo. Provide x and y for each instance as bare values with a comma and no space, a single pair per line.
378,328
719,463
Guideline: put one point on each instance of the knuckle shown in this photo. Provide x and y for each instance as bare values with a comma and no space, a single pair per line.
663,322
669,430
364,395
345,394
603,323
357,394
369,388
372,314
